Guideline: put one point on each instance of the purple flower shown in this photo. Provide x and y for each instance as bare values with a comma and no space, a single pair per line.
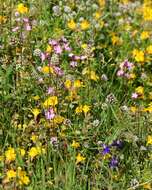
54,140
73,63
49,114
58,71
127,64
117,143
17,14
113,162
106,149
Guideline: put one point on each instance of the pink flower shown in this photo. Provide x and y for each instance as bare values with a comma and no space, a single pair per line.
134,95
120,73
43,56
26,20
76,57
73,63
66,47
15,29
53,42
50,90
57,49
28,27
83,57
58,71
49,114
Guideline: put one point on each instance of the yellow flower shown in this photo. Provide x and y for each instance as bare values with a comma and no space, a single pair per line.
22,176
33,152
34,138
79,109
11,174
58,119
21,8
24,180
93,76
97,15
102,3
68,83
115,40
147,186
35,112
72,95
149,140
147,13
139,90
144,35
132,76
1,158
149,49
72,25
47,70
51,101
21,151
10,154
148,109
86,109
49,49
133,109
138,55
84,46
75,144
125,1
150,95
77,84
85,25
2,19
79,158
36,97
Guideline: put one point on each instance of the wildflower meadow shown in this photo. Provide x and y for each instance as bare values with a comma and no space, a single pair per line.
76,95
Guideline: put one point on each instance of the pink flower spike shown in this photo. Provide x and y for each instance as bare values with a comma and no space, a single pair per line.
76,57
53,42
83,57
15,29
26,20
28,27
42,57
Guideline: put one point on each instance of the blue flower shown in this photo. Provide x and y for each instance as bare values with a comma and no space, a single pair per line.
106,149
